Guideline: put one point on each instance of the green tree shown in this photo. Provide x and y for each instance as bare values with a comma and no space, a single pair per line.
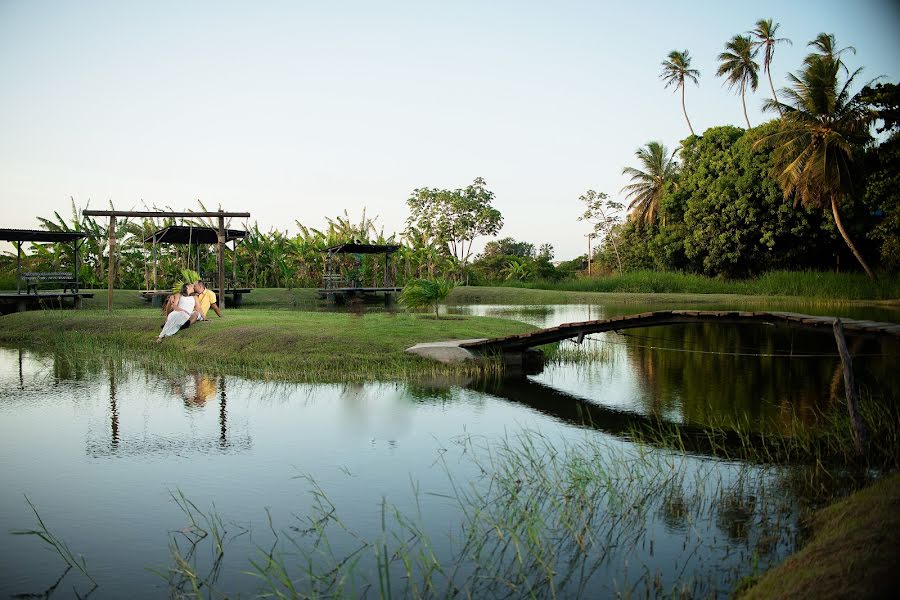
455,217
764,34
823,129
677,69
649,185
602,213
426,292
738,67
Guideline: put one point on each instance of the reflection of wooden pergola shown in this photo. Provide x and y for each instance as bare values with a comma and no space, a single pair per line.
220,239
336,287
68,281
196,236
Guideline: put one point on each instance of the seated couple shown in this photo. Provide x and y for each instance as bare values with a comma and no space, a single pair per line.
189,305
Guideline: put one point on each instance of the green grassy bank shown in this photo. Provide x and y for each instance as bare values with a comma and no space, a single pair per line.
851,553
807,284
274,344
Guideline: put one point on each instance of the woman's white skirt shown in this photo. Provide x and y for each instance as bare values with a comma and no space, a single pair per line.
174,322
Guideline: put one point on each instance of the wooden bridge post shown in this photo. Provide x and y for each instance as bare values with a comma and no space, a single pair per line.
856,421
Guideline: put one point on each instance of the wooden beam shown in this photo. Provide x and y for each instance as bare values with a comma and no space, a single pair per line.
146,213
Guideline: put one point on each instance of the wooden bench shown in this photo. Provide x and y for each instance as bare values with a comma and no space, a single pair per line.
32,280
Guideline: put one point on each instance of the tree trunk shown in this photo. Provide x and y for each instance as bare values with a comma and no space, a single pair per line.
774,97
684,110
840,226
744,102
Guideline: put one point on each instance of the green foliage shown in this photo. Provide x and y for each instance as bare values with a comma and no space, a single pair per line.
419,293
454,218
725,217
882,200
187,276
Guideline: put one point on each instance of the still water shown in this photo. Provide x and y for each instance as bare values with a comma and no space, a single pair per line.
365,480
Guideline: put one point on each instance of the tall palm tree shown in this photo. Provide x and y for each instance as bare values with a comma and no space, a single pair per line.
765,38
736,64
649,185
826,45
823,128
677,69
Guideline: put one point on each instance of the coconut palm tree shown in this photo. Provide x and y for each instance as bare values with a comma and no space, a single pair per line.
736,64
823,129
677,69
649,185
765,39
826,44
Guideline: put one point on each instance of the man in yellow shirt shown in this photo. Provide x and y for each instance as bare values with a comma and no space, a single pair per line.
206,299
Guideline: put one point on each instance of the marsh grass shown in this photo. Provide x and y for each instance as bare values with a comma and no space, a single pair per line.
268,344
809,284
544,519
56,544
829,442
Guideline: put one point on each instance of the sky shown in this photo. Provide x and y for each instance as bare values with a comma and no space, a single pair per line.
298,111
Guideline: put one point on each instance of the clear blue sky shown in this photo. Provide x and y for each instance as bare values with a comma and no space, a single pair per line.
299,110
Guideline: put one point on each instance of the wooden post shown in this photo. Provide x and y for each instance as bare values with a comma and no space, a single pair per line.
112,261
234,263
155,285
856,421
18,267
220,259
387,256
77,246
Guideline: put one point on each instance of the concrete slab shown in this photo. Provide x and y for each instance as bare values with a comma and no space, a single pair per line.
447,352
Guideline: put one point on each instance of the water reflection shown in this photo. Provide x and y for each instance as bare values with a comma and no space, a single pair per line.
195,391
763,377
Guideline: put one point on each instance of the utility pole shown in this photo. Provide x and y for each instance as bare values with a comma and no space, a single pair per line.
589,236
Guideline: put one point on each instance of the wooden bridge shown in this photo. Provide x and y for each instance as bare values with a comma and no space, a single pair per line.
520,343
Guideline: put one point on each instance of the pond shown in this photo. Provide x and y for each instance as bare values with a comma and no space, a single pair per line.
531,485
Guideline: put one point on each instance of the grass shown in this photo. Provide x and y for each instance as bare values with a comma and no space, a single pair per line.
851,551
272,344
807,284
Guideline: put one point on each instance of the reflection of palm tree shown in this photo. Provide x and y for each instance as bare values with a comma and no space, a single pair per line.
649,185
736,64
677,69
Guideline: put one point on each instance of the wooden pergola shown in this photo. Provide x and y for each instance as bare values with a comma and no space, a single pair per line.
220,238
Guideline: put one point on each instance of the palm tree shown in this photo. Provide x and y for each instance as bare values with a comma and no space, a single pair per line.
822,129
825,43
649,185
676,69
739,68
765,39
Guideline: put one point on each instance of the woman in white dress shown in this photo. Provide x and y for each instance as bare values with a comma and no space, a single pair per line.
182,309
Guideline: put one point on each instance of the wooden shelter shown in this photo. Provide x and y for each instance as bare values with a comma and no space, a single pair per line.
65,284
337,287
195,236
220,238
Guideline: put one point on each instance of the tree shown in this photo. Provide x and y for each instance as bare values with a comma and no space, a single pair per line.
677,69
822,130
765,39
736,64
648,185
455,217
601,211
884,100
426,292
